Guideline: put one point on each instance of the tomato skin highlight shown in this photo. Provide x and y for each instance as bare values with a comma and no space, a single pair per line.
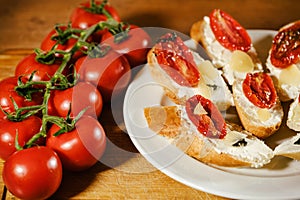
110,74
228,32
260,90
80,148
7,92
25,130
33,173
81,18
28,65
79,97
134,47
212,124
285,49
177,60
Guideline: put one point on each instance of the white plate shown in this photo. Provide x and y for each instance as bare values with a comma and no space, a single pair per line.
278,180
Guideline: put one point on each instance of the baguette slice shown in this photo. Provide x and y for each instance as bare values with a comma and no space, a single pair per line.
237,149
211,84
234,64
261,122
289,148
286,78
293,118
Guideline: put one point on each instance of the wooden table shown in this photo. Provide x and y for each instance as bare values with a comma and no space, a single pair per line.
23,24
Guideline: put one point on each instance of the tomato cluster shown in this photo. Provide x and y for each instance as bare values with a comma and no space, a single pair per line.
50,107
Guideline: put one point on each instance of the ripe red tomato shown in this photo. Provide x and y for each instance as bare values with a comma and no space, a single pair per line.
80,148
134,45
86,15
285,49
25,130
29,64
33,173
8,91
79,97
228,31
212,124
260,90
176,59
110,73
66,43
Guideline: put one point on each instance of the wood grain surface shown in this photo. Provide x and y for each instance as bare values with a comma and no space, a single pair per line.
23,25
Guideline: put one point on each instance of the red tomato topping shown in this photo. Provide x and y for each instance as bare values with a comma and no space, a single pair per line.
177,60
211,124
285,49
259,89
228,32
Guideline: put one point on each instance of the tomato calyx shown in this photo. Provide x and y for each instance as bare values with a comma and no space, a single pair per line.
99,51
206,117
98,8
176,59
64,33
22,113
259,89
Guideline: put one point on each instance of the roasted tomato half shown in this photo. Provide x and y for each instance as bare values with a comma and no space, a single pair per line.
228,32
285,49
206,117
177,60
259,89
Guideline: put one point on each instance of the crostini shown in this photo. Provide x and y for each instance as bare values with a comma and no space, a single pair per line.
184,73
199,129
228,45
283,61
289,148
257,104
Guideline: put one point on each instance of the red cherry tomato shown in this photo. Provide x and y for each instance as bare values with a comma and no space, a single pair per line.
64,43
8,91
260,90
33,173
285,49
212,124
228,32
29,64
110,73
134,44
177,60
86,15
82,95
80,148
25,129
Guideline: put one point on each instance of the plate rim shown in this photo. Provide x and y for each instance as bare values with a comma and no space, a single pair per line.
265,183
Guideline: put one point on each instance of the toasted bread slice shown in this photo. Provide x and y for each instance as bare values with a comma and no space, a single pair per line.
286,78
237,149
234,64
289,148
211,84
261,122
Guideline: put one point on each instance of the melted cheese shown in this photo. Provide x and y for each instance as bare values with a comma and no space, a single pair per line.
290,76
199,110
206,68
263,114
241,62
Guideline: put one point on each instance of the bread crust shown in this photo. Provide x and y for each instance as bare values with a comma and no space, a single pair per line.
261,131
172,128
172,91
197,34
